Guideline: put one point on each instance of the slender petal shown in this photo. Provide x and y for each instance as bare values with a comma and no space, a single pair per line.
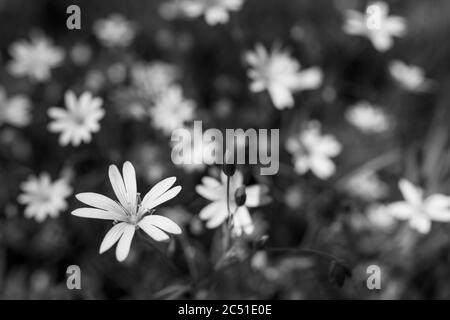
118,185
162,223
163,198
99,201
123,247
129,177
158,190
154,232
97,214
112,236
411,193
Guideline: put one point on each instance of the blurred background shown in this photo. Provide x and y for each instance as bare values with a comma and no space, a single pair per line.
320,234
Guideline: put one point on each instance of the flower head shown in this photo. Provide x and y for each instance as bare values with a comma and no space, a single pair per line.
410,77
36,58
130,212
115,31
420,211
15,110
279,74
216,212
312,151
78,120
172,110
376,25
368,118
43,197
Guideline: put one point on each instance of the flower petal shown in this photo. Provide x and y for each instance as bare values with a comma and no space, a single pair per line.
154,232
99,201
129,177
112,236
158,189
118,185
97,214
162,223
410,192
400,210
163,198
123,247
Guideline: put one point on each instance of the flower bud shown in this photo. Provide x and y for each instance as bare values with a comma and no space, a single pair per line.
240,196
229,167
338,272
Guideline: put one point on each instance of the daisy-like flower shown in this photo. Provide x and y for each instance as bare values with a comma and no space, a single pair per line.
312,151
79,120
115,31
153,79
15,111
130,212
171,110
279,74
216,212
420,211
376,25
36,58
410,77
44,198
368,118
214,11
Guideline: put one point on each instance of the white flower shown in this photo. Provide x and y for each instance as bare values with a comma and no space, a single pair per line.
410,77
43,197
279,74
115,31
215,11
153,79
216,212
130,213
171,110
312,151
368,118
367,186
376,25
15,111
379,218
417,209
79,120
35,59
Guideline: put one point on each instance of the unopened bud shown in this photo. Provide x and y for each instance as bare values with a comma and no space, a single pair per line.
240,196
229,167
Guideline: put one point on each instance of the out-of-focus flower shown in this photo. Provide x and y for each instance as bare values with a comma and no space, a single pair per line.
216,212
130,213
417,209
410,77
214,11
376,25
366,185
115,31
312,151
15,111
35,58
117,72
81,54
279,74
95,80
379,218
44,198
171,110
368,118
78,120
153,79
